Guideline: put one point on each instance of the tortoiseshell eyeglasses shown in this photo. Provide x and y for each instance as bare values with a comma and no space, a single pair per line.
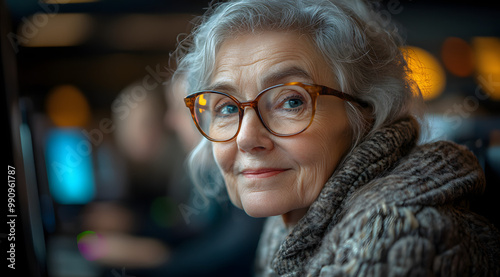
285,110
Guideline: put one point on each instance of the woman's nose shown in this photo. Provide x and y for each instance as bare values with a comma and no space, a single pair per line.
253,136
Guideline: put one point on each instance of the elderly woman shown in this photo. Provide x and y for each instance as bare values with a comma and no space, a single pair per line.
310,120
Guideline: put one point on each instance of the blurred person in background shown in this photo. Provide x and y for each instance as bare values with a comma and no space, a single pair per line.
310,119
164,226
134,237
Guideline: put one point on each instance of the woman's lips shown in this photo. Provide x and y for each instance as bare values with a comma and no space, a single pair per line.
262,172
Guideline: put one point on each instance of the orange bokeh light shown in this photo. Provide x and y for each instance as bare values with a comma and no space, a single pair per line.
488,64
458,57
67,106
426,71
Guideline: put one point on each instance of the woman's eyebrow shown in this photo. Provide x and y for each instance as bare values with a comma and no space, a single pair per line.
270,79
222,87
280,76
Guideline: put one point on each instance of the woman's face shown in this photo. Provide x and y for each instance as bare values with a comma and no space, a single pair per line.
268,175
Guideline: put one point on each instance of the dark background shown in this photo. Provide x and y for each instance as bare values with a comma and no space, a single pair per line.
123,38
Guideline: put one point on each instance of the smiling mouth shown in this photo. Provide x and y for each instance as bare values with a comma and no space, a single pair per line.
262,173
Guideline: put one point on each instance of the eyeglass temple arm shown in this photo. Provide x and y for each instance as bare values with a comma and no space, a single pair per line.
344,96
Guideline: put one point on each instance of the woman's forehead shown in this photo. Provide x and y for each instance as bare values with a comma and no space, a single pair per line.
265,59
249,50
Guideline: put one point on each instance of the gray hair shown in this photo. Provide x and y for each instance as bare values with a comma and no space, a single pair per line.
362,50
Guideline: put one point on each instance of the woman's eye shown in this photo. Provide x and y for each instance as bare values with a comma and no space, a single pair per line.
292,103
228,109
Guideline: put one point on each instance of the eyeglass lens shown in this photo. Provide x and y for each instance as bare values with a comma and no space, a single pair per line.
284,110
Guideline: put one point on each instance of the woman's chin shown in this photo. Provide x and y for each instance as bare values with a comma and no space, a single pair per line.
259,212
263,204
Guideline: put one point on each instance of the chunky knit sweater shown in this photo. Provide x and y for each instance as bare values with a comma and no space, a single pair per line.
393,208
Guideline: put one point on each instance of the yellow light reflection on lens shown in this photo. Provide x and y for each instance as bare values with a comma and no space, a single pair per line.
67,106
426,71
487,51
202,101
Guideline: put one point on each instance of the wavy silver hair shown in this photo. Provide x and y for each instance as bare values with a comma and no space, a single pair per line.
362,49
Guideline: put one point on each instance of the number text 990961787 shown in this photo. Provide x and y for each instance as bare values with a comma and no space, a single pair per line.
11,216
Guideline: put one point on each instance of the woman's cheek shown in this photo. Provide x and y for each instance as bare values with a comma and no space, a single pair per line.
223,158
225,161
234,195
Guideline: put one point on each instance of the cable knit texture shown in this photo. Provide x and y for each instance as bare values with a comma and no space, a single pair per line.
392,209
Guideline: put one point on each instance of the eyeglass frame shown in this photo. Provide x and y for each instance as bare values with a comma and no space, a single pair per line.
313,90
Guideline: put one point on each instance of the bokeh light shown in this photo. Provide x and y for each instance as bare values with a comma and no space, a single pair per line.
91,245
69,166
425,71
487,51
56,29
67,106
458,57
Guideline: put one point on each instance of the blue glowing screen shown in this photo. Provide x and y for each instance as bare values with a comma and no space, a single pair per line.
68,157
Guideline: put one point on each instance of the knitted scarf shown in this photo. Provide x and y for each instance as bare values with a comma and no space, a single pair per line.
388,206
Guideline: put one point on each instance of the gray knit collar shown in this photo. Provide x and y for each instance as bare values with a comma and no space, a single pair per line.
368,160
